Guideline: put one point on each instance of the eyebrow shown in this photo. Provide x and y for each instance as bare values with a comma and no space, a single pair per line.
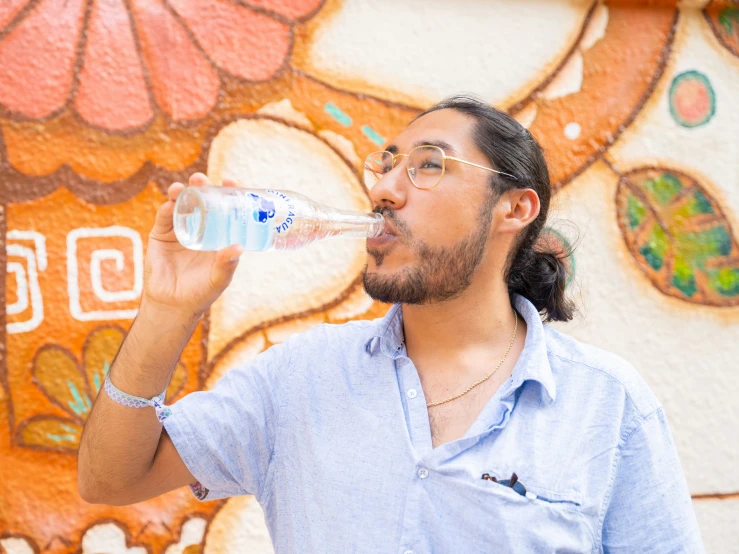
445,146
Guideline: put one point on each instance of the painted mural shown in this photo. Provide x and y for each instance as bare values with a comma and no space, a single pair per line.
104,103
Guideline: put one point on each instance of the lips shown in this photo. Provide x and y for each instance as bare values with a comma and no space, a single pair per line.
388,235
388,228
384,238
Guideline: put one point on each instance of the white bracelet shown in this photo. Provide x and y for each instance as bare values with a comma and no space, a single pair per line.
125,399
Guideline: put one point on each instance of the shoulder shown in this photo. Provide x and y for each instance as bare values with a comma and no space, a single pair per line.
329,346
581,368
332,336
301,350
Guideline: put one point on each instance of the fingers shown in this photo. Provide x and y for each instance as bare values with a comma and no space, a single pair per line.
227,182
163,222
174,190
224,265
230,253
199,180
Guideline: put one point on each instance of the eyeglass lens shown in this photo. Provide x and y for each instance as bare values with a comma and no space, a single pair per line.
425,166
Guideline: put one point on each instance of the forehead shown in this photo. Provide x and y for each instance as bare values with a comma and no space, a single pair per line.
446,126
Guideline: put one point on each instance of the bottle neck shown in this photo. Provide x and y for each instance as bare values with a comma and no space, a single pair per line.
350,223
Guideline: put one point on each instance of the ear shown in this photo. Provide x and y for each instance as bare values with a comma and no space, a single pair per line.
519,207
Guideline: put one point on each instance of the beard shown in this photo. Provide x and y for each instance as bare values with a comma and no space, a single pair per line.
440,272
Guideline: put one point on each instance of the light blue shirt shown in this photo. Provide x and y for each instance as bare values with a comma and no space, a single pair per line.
330,432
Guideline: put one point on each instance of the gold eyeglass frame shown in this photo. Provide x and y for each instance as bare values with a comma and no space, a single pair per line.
444,157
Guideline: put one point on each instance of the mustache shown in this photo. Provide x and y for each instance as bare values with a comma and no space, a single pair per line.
401,227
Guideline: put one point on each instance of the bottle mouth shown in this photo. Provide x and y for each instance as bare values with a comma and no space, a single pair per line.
188,217
379,227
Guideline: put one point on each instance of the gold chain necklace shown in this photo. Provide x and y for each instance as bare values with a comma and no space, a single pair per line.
515,328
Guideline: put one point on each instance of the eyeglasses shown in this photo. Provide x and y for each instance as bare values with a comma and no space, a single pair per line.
512,483
426,166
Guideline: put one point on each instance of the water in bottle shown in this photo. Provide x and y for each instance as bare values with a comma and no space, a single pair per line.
211,218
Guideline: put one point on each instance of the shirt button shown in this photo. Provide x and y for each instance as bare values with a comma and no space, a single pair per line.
423,473
412,393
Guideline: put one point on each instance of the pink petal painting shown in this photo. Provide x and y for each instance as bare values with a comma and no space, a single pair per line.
185,84
38,57
118,63
112,92
218,27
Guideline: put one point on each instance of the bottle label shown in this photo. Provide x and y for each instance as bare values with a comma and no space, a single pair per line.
264,217
286,213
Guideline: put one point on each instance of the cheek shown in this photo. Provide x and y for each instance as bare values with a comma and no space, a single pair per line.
445,223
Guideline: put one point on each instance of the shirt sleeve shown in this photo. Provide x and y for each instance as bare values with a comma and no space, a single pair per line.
650,509
225,436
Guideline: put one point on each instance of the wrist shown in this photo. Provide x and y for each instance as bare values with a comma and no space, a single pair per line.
147,358
168,314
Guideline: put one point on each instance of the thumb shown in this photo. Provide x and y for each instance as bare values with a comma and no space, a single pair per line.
228,182
224,264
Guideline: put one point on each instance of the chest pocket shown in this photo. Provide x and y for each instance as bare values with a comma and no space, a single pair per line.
534,518
514,484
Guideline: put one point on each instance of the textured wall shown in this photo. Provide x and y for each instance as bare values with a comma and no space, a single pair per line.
103,103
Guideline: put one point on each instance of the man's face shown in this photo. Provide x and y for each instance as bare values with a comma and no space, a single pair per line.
438,236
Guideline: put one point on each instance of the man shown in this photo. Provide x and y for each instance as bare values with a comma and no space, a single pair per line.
457,423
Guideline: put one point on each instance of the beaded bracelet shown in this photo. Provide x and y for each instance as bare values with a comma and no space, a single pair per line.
124,399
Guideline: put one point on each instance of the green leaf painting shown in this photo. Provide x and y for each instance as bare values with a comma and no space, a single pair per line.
729,18
679,236
723,18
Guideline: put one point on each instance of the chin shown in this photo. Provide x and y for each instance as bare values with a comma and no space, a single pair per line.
392,287
386,260
381,265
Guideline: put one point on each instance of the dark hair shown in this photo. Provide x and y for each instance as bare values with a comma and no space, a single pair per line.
534,269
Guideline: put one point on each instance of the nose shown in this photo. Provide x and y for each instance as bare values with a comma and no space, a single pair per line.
392,190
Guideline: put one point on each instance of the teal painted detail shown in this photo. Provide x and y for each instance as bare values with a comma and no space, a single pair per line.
674,88
81,405
96,377
68,428
664,188
62,438
652,258
567,247
682,277
77,408
686,286
655,248
371,134
700,245
702,204
335,112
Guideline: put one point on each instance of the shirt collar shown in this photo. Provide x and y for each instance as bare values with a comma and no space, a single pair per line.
388,335
532,364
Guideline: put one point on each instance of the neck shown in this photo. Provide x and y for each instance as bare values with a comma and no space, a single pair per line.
480,319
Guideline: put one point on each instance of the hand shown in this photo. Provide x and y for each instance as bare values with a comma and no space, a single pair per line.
181,281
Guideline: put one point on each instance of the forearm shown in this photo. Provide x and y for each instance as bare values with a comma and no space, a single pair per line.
119,443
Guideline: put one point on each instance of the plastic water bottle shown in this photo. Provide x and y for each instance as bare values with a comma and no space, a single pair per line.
211,218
